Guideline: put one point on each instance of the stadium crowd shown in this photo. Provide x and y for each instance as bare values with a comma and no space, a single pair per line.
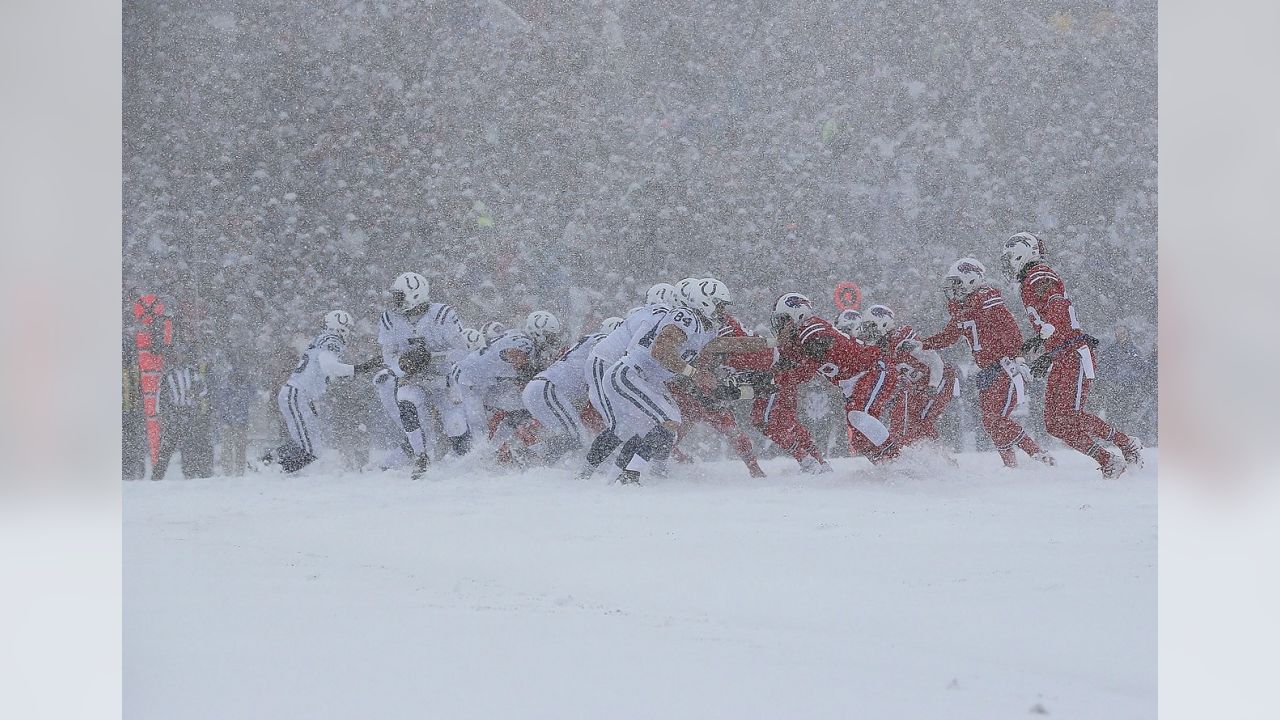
284,157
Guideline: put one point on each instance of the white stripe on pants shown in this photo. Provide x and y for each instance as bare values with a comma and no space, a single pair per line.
596,371
299,417
547,407
638,406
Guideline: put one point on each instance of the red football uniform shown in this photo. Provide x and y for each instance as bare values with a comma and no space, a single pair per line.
914,411
993,335
1071,371
815,347
721,419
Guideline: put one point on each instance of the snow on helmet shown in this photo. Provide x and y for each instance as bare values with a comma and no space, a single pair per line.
876,323
790,306
492,330
662,294
542,326
340,322
683,286
410,290
847,321
1021,250
964,276
475,338
610,324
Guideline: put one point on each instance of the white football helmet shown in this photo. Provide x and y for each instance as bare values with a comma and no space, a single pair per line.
610,324
876,323
492,330
683,286
340,322
410,290
662,294
848,320
791,306
707,297
964,276
543,327
475,338
1020,251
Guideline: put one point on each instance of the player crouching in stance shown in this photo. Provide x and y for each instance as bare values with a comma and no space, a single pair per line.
493,378
421,340
776,414
677,345
979,315
870,391
1065,358
557,397
320,363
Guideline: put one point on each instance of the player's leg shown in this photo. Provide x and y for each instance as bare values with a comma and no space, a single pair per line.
997,401
723,422
445,399
296,412
868,436
604,402
777,416
651,414
1066,388
385,386
561,426
936,403
1096,426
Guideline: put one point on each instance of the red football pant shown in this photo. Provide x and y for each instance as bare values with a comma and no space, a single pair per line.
997,401
777,416
916,415
1065,395
720,419
870,394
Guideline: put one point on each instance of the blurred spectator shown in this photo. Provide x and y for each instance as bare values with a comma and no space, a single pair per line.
233,398
184,416
1125,387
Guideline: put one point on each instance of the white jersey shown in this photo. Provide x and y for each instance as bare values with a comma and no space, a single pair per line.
320,363
439,329
487,364
698,332
614,345
569,373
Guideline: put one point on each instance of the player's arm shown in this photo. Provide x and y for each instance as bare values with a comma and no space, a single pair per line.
332,366
931,360
666,352
944,338
731,345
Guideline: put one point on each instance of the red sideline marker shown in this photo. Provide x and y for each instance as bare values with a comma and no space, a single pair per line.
848,295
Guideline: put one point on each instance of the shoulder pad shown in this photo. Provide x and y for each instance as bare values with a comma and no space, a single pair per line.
386,319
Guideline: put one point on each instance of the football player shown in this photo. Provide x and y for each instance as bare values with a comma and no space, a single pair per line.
320,363
980,317
1065,358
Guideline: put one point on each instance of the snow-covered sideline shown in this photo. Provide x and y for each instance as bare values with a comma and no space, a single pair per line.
929,590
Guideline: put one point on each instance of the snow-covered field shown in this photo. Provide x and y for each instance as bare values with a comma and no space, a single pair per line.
925,591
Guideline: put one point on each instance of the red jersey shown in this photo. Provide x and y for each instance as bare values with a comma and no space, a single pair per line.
817,347
1045,297
982,319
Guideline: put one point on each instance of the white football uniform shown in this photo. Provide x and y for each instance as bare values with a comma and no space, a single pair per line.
439,330
635,387
556,396
320,363
487,379
611,349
